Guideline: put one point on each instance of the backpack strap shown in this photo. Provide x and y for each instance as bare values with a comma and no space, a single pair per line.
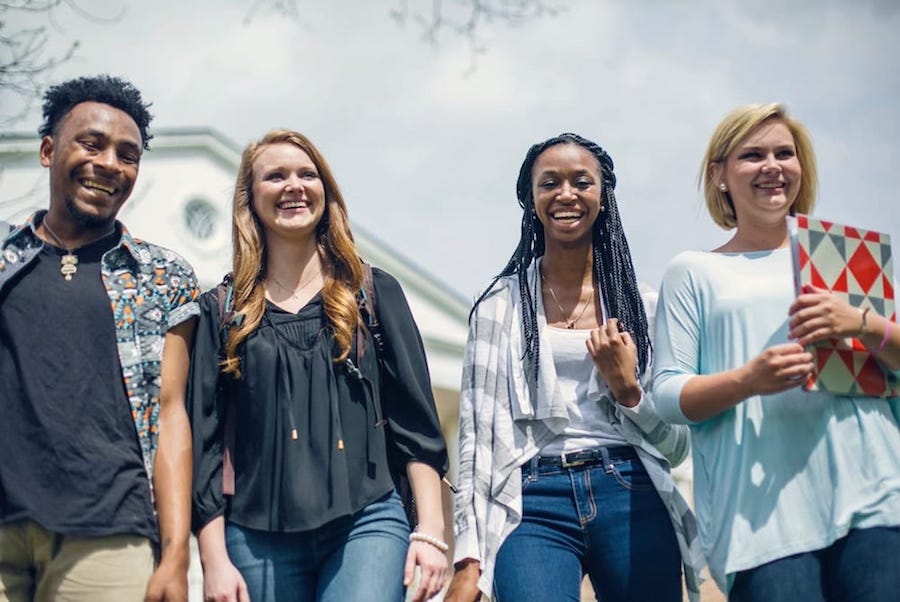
366,304
369,311
368,308
225,303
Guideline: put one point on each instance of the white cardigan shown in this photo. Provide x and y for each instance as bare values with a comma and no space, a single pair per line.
507,416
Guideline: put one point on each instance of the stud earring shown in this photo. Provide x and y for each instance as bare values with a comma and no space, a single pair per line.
723,187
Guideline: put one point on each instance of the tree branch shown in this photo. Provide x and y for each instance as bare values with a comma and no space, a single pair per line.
25,63
467,18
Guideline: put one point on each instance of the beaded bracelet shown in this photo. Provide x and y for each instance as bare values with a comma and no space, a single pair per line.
440,545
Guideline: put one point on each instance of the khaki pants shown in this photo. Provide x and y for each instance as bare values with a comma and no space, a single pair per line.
41,566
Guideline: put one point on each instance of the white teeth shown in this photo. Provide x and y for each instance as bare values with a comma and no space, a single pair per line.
293,205
566,215
97,186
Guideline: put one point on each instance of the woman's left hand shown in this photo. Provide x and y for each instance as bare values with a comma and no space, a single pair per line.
432,565
615,355
816,315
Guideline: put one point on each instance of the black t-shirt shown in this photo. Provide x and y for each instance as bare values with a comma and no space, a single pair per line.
70,459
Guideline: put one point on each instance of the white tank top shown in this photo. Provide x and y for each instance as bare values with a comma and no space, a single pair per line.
588,426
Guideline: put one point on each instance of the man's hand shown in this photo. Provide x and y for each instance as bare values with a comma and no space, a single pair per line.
168,583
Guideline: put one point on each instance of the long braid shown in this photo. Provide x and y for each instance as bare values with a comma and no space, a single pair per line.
612,265
614,269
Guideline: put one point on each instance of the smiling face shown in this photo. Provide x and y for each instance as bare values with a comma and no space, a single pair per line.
761,174
93,157
287,191
567,188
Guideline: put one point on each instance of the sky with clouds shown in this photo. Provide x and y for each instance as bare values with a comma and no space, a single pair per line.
426,138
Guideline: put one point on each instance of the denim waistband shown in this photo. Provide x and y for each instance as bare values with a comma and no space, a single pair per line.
586,457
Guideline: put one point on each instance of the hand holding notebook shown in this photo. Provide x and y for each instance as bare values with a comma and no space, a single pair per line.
855,266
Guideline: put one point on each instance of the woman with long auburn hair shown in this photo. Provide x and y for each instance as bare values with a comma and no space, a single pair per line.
298,417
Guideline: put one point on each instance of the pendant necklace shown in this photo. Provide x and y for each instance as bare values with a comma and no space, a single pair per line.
570,323
68,263
302,285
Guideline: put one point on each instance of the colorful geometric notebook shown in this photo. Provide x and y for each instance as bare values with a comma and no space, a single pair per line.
857,266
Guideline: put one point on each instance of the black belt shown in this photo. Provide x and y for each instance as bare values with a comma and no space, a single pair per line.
586,457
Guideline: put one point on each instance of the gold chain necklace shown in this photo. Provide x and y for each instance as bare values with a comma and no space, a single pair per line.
68,263
294,292
570,324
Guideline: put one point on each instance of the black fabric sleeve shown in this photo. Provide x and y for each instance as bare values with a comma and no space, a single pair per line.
406,397
206,411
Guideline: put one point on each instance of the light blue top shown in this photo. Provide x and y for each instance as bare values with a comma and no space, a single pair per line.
777,474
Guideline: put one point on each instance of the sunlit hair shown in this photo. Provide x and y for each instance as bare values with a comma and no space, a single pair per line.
612,266
730,133
341,266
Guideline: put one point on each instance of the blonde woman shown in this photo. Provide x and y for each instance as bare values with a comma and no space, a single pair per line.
797,494
308,419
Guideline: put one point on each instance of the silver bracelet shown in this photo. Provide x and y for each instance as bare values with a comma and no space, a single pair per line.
440,545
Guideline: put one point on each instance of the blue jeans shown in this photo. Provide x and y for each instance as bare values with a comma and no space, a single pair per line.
606,520
863,566
357,558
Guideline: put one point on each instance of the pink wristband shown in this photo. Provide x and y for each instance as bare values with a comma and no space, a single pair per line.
884,339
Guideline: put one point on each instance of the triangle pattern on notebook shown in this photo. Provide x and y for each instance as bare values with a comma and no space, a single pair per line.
856,265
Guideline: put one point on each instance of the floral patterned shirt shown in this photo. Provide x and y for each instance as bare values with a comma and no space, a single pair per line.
151,289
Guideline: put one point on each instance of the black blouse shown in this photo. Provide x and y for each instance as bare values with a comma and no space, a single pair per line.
293,407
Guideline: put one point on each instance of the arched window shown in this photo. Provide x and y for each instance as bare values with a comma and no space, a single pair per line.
201,218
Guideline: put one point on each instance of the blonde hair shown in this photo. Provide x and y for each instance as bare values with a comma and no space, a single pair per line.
341,267
732,130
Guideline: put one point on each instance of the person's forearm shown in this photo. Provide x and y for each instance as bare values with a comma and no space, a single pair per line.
708,395
211,541
172,483
173,463
426,487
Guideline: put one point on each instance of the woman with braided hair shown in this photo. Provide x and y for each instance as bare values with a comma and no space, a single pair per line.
564,464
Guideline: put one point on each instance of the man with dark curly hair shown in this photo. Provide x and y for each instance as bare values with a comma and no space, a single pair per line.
95,330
